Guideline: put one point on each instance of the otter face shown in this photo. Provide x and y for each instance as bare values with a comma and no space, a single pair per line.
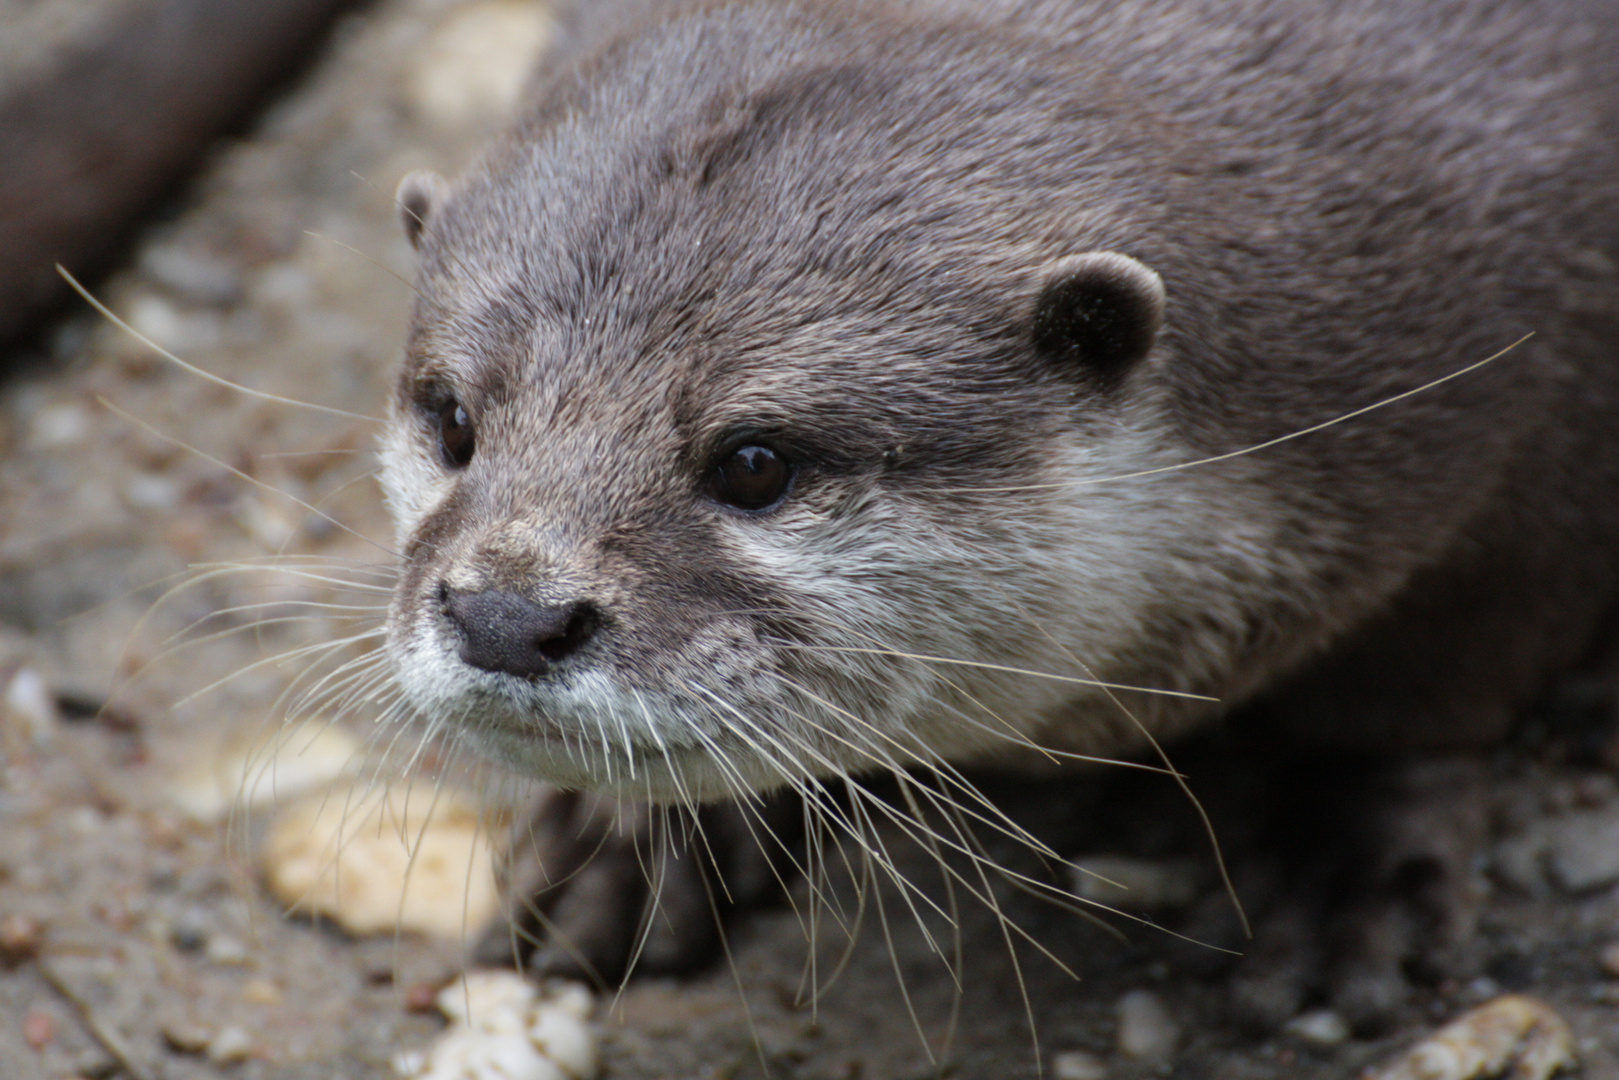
695,499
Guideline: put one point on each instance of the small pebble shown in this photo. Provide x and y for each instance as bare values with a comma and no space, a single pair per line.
1605,994
93,1061
380,860
261,992
502,1028
227,951
148,491
1584,851
1608,959
194,276
187,1037
58,426
190,930
1146,1031
38,1029
30,705
231,1045
166,326
1077,1065
1594,790
20,938
1132,884
273,766
421,997
1512,1032
1518,861
1323,1027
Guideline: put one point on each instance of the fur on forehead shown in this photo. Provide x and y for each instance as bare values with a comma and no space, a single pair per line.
737,180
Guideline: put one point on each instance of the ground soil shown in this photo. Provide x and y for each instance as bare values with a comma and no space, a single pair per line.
132,935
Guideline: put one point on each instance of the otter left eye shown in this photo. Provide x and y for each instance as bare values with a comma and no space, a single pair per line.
456,440
751,478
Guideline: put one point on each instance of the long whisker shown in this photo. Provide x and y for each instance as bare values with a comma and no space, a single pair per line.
209,376
1267,444
255,481
1005,668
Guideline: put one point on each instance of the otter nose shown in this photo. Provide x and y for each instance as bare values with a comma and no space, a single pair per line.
502,631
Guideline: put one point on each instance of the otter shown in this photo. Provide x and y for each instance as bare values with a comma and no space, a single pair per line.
803,388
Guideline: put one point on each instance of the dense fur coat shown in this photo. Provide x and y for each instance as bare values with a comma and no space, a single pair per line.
837,230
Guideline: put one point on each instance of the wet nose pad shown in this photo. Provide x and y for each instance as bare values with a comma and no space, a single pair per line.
503,631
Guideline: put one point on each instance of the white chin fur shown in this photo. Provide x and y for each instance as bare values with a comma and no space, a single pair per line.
584,733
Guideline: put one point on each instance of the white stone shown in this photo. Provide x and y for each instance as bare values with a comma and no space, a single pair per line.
1131,884
232,1044
1146,1030
31,706
1323,1027
1584,850
477,994
502,1028
169,328
1078,1065
378,860
56,426
149,491
275,765
565,1039
194,275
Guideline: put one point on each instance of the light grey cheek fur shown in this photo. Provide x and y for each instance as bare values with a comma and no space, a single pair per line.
1053,585
412,481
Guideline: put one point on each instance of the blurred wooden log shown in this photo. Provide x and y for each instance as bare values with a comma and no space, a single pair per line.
103,110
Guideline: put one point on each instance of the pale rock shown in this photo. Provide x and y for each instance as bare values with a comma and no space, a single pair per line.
55,427
1146,1031
248,773
1077,1065
231,1045
149,491
1583,853
502,1028
30,706
166,326
382,859
194,275
1513,1032
1323,1027
1131,884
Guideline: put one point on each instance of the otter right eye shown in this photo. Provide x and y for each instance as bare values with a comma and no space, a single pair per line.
751,478
455,436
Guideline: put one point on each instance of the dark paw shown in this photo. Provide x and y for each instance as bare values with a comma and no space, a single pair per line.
1379,895
599,888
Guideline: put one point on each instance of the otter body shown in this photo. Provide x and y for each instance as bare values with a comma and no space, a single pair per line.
804,388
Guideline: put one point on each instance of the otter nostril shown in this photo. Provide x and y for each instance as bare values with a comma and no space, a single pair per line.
507,632
577,628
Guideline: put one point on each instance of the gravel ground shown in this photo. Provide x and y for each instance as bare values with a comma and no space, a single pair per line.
136,937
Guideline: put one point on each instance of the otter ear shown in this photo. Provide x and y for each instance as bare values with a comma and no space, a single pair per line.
418,193
1098,311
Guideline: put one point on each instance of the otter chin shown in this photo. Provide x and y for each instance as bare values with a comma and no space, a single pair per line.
799,390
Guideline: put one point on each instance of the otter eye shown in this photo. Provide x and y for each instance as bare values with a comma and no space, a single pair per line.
751,478
455,437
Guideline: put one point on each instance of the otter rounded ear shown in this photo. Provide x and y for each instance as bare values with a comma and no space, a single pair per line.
1099,311
418,193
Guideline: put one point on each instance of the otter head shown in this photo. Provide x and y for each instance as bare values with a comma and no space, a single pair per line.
713,473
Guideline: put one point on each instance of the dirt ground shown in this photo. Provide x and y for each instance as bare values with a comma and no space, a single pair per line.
138,941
